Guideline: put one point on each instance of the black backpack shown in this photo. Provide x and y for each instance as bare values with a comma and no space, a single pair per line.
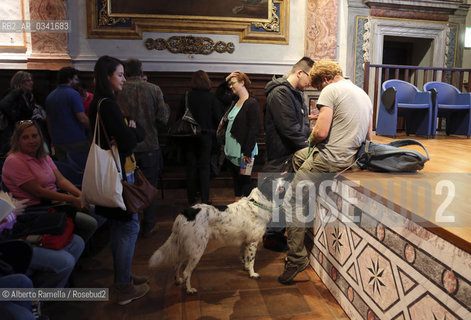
390,157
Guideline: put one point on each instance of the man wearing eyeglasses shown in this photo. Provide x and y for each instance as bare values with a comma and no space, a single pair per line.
344,122
286,127
286,117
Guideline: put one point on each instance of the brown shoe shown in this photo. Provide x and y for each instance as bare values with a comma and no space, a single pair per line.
129,292
291,270
137,280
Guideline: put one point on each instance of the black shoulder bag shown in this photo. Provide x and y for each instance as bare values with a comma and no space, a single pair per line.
185,127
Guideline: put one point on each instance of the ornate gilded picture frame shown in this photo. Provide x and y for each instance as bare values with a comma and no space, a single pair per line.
263,21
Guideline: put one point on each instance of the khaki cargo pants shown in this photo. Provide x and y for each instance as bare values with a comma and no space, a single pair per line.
305,169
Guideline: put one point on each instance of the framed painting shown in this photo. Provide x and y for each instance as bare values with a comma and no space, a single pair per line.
264,21
311,96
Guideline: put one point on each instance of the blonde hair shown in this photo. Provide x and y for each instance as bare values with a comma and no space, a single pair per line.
15,138
324,69
18,79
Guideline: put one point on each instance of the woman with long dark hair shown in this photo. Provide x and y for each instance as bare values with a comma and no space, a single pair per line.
109,80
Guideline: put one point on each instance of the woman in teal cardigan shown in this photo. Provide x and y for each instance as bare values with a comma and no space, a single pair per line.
242,131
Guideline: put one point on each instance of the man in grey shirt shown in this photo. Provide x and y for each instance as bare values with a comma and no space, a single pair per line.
144,102
344,122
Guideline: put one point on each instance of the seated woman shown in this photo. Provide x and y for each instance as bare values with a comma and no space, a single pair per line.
16,309
48,268
29,173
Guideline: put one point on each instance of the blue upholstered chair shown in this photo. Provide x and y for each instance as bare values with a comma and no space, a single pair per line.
404,99
453,105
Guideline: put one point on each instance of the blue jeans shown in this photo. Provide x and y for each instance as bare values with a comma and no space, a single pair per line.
123,240
52,268
20,310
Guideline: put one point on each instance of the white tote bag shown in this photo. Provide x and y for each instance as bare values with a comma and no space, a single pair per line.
101,184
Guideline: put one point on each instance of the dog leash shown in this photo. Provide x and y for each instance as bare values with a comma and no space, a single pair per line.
262,206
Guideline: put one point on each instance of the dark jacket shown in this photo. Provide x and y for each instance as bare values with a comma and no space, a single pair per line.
286,119
113,120
205,108
13,108
246,126
126,139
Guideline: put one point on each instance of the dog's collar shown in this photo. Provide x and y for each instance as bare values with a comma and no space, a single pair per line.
261,206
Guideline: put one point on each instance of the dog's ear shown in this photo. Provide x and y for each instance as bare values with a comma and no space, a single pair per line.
190,213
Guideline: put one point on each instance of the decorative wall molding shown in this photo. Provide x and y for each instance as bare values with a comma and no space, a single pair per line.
414,9
189,45
370,33
102,24
387,13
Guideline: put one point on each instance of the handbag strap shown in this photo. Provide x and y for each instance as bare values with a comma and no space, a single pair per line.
95,132
408,142
106,134
187,106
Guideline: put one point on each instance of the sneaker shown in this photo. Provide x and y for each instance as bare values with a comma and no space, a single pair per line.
137,280
129,292
291,270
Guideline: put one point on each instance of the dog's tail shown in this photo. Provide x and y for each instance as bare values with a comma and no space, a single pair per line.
166,256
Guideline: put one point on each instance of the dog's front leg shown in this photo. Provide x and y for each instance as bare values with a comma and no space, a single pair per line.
243,253
250,251
178,278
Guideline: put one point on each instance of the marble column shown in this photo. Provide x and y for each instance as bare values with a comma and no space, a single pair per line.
49,50
321,29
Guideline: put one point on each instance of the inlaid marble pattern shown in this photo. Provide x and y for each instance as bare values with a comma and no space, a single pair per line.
377,270
321,30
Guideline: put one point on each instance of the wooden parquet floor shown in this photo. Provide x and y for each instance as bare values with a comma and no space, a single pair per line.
434,195
224,289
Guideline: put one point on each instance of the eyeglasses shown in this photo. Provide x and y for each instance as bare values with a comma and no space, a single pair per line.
230,84
24,123
307,74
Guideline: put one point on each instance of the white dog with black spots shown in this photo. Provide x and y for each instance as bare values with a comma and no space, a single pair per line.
242,223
